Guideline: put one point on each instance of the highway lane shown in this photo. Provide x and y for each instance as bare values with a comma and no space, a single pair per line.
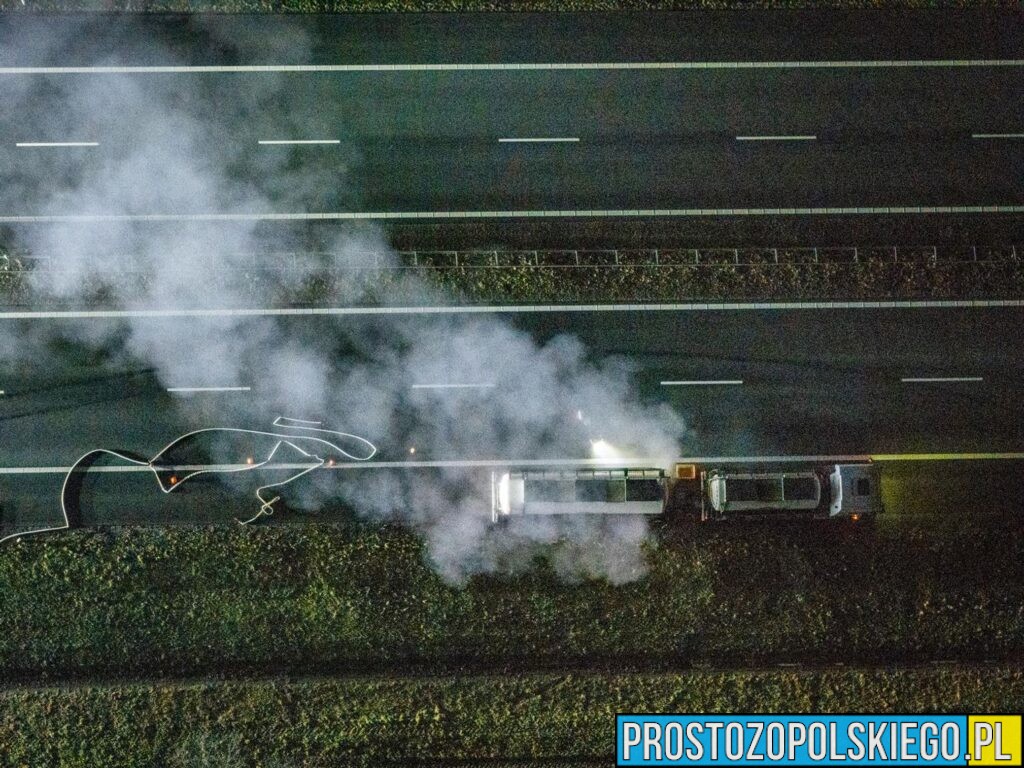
813,383
432,141
826,381
428,140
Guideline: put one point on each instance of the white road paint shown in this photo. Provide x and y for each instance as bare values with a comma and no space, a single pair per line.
512,67
273,142
939,379
511,309
565,140
707,383
209,389
529,214
776,138
46,144
452,386
493,463
997,135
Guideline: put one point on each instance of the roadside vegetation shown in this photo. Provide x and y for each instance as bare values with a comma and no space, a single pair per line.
194,601
865,280
350,6
626,276
414,721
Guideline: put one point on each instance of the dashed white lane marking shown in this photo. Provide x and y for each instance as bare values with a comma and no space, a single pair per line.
532,214
708,383
553,140
997,135
511,309
46,144
273,142
452,386
938,379
511,67
776,138
208,389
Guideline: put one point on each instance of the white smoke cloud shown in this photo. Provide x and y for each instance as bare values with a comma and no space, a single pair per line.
168,149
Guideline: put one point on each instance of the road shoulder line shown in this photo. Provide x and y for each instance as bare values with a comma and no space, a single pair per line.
512,309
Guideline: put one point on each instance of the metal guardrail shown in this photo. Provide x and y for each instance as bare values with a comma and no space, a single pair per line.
610,257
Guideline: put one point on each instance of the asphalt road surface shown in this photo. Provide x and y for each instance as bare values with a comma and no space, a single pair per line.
909,111
755,35
586,114
748,383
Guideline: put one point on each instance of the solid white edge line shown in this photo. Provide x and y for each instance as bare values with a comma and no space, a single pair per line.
523,214
709,382
109,314
273,142
997,135
491,463
934,379
572,139
209,389
40,144
776,138
510,67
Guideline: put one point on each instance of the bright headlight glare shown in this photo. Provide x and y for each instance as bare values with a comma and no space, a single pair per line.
602,449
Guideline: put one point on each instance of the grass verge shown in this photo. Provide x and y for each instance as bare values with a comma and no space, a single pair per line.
562,718
357,6
866,280
195,601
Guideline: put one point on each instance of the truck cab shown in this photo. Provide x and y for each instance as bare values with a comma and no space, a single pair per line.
854,491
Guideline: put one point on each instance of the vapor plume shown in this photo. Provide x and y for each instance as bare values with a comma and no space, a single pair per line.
171,144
